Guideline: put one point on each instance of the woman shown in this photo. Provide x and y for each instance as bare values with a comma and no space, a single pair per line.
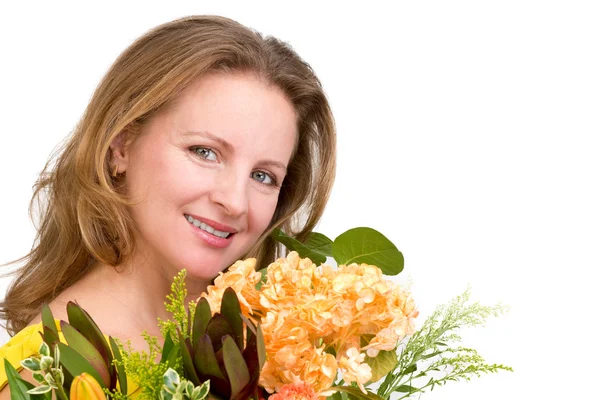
201,139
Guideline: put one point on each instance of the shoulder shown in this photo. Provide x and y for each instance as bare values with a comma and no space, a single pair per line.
23,345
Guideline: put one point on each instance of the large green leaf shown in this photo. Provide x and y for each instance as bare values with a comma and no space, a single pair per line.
80,344
122,377
319,243
235,365
366,245
76,364
18,387
295,245
230,309
81,320
382,364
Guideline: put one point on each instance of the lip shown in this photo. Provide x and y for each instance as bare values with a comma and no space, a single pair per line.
214,224
208,238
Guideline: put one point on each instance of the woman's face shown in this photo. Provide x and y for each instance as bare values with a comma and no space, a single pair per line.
205,173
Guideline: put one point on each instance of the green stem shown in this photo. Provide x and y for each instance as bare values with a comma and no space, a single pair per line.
60,391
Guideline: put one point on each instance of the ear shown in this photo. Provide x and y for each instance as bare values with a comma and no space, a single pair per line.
119,152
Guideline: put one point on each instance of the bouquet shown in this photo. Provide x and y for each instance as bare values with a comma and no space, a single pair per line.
299,329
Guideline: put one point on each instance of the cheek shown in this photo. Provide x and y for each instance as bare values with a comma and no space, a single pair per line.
262,209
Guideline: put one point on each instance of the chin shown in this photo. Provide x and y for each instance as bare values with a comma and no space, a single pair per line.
203,268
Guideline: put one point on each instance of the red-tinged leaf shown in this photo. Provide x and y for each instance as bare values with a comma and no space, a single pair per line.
250,354
76,364
120,369
218,327
48,320
230,309
188,363
81,320
205,359
49,332
80,344
260,346
236,368
201,317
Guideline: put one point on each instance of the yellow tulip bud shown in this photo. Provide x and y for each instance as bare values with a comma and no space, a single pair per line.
85,387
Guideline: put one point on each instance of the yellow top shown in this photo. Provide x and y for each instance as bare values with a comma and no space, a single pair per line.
25,344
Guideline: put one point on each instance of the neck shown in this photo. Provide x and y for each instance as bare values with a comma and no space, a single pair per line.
128,299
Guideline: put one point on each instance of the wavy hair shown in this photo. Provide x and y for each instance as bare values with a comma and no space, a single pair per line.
83,214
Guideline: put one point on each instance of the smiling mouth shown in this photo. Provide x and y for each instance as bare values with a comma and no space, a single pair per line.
207,228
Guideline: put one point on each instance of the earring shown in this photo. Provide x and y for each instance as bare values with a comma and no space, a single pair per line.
115,171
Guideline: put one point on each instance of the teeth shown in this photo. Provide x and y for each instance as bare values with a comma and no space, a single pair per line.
206,227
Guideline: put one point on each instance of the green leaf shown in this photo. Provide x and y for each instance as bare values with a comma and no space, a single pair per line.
171,379
44,349
40,389
235,365
230,309
366,245
188,364
406,389
382,364
18,387
205,359
81,320
319,243
80,344
76,364
200,392
295,245
48,319
263,279
121,376
202,316
49,331
262,351
31,364
410,369
355,392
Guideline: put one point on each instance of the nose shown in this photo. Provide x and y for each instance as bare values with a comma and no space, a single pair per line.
230,192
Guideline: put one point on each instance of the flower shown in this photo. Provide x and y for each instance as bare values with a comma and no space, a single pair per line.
317,319
297,391
242,277
355,368
85,387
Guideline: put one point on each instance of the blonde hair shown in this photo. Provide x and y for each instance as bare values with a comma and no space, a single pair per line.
84,217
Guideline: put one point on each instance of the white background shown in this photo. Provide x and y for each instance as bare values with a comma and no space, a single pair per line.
468,134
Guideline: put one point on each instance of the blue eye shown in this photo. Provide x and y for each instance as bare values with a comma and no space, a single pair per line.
206,153
262,177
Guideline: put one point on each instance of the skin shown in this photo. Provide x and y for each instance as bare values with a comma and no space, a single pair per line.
219,152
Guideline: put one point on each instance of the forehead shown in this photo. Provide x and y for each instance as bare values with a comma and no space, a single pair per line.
238,105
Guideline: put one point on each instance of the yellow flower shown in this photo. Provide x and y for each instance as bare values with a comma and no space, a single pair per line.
85,387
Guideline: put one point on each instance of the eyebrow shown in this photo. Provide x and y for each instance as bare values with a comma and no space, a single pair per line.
211,136
229,147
